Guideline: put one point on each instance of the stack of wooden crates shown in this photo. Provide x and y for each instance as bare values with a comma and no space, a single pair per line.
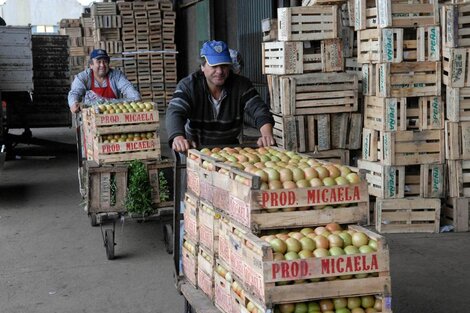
403,136
456,64
313,98
77,52
225,214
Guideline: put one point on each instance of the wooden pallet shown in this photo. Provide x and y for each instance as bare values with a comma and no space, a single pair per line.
427,180
282,57
308,23
395,45
455,30
457,140
269,29
456,67
408,215
410,79
107,21
393,114
455,212
403,147
315,93
385,14
458,104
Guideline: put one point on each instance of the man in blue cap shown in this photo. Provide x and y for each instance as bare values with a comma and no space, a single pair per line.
100,82
208,106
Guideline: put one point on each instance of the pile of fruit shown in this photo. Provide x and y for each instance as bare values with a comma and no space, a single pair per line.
127,137
364,304
125,107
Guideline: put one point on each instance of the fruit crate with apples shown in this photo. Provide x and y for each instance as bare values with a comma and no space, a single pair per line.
106,187
384,181
263,273
191,217
457,140
458,104
189,260
295,57
222,287
459,178
408,215
314,93
208,227
455,212
455,27
408,79
319,132
403,147
456,67
395,45
393,114
386,13
205,271
308,23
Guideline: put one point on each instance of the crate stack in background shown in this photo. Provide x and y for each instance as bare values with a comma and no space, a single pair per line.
107,30
403,136
456,64
314,100
88,39
77,51
234,229
168,40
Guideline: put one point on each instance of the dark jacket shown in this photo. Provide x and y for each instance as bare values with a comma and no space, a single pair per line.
192,102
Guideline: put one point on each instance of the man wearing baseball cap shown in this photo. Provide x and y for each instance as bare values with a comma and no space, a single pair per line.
208,106
100,82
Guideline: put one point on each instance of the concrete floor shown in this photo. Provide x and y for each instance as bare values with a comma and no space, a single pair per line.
52,260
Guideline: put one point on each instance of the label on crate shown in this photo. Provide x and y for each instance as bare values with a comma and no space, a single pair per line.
206,190
224,250
204,282
190,225
391,181
189,266
206,237
310,196
116,147
193,181
220,199
436,114
254,280
434,42
126,118
324,267
222,297
436,180
382,80
457,65
392,114
365,79
388,47
236,259
239,210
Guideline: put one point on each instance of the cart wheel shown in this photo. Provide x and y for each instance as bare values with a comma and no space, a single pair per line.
93,220
109,243
168,238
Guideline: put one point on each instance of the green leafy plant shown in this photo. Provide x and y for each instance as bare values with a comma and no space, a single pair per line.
139,193
164,189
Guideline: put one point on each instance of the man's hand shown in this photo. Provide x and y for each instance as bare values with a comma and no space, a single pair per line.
267,138
75,108
181,144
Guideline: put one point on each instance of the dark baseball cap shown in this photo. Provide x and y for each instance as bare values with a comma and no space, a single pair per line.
216,53
99,54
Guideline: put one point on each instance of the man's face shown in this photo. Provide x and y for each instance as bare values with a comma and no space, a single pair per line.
216,75
100,67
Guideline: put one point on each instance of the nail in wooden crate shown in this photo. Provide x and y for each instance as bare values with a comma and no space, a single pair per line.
403,147
455,27
393,114
456,67
386,13
314,93
308,23
455,212
389,182
458,104
395,45
281,57
459,178
106,187
269,29
409,79
408,215
457,140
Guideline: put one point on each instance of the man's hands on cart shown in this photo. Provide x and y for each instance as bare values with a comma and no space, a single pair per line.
182,145
75,108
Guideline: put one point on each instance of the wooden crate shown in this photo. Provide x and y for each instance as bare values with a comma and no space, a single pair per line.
457,140
107,8
308,23
408,215
222,297
337,156
386,13
156,169
403,181
106,187
205,272
208,227
456,67
369,79
459,178
189,260
393,114
395,45
254,266
409,79
315,93
403,147
455,27
458,104
269,29
455,212
191,217
282,57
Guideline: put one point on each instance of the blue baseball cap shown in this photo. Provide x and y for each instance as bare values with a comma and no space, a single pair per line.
216,53
99,54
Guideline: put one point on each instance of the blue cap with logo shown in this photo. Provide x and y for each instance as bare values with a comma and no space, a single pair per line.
99,54
216,53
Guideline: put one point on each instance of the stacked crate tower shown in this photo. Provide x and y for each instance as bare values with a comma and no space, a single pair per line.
226,252
88,39
313,99
403,135
77,52
456,64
